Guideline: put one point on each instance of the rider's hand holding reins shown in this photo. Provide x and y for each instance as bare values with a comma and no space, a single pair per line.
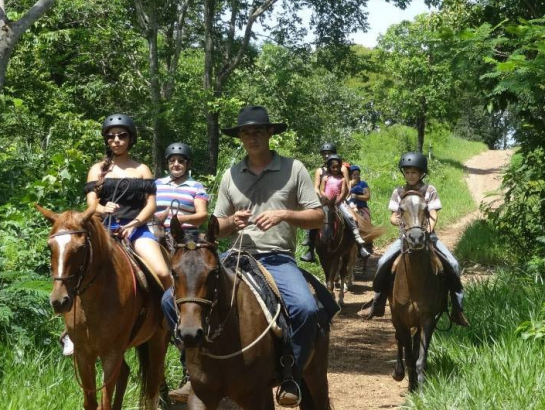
109,208
241,219
268,219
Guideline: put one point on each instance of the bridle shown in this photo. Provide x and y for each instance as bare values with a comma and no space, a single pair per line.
82,270
404,230
209,303
331,222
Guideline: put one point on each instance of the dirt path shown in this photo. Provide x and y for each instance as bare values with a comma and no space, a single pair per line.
362,353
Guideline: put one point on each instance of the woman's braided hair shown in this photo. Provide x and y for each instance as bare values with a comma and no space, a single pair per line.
104,169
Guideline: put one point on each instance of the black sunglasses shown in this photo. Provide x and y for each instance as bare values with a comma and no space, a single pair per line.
121,135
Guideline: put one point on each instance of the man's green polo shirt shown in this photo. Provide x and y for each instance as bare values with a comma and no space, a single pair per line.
284,184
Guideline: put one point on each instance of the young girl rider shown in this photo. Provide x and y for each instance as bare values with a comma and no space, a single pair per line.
327,150
333,186
414,166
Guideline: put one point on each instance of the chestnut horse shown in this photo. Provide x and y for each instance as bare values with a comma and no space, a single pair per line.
419,293
104,311
230,351
335,243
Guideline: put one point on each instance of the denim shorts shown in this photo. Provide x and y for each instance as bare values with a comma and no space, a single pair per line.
141,232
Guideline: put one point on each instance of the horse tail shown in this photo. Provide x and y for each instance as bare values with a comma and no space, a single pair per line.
144,375
367,231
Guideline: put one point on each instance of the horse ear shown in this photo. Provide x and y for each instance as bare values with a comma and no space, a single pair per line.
213,229
162,217
49,215
176,229
88,214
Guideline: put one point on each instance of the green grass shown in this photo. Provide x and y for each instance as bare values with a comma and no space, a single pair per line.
479,244
44,379
488,366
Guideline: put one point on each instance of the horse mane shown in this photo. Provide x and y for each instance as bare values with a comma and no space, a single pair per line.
102,240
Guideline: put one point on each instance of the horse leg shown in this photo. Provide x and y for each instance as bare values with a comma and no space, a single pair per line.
315,387
399,371
153,361
261,399
194,403
121,385
403,334
111,365
343,273
87,373
424,345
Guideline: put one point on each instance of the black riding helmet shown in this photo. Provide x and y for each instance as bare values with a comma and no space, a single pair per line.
333,157
414,159
120,120
329,146
178,148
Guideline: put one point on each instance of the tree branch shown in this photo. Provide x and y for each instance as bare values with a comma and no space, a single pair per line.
3,15
178,43
34,13
143,18
228,68
231,32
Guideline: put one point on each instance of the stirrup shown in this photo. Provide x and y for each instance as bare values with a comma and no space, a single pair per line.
284,388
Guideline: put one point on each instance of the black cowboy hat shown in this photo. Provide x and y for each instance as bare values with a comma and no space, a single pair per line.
254,115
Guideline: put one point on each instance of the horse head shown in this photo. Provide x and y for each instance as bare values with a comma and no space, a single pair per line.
196,269
156,225
414,219
70,253
327,232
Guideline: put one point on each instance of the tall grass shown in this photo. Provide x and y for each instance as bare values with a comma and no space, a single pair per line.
488,366
43,379
479,244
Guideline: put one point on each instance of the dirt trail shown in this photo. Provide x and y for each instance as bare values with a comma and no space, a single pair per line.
362,353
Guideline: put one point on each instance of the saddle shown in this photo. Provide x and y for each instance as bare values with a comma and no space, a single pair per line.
436,262
264,288
143,273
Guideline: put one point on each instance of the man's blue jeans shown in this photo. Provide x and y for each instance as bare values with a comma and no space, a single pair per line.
299,302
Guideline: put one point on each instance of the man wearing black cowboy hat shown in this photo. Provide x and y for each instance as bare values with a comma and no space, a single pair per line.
269,196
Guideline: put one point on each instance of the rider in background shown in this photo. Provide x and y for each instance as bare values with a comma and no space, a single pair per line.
359,193
122,191
333,184
192,212
180,186
327,150
414,166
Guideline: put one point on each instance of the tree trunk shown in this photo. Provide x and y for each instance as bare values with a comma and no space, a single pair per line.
212,118
11,32
421,130
156,103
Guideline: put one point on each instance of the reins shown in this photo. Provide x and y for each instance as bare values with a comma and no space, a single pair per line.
211,336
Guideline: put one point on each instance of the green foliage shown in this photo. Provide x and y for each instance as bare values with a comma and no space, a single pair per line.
521,218
488,365
479,244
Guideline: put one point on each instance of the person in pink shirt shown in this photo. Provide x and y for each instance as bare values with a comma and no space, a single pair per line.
333,184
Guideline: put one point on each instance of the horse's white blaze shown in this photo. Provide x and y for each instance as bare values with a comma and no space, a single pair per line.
62,241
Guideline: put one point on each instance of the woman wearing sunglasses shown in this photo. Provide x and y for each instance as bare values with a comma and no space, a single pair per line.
123,192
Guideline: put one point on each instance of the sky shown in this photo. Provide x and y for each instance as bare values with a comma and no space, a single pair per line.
382,15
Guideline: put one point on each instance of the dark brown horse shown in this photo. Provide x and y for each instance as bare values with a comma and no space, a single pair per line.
419,293
230,351
333,246
104,311
335,243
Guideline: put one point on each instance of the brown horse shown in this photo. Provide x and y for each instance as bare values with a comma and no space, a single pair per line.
104,311
363,219
419,293
230,351
335,243
333,246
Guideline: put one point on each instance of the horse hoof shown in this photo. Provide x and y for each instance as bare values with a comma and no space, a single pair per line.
398,376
